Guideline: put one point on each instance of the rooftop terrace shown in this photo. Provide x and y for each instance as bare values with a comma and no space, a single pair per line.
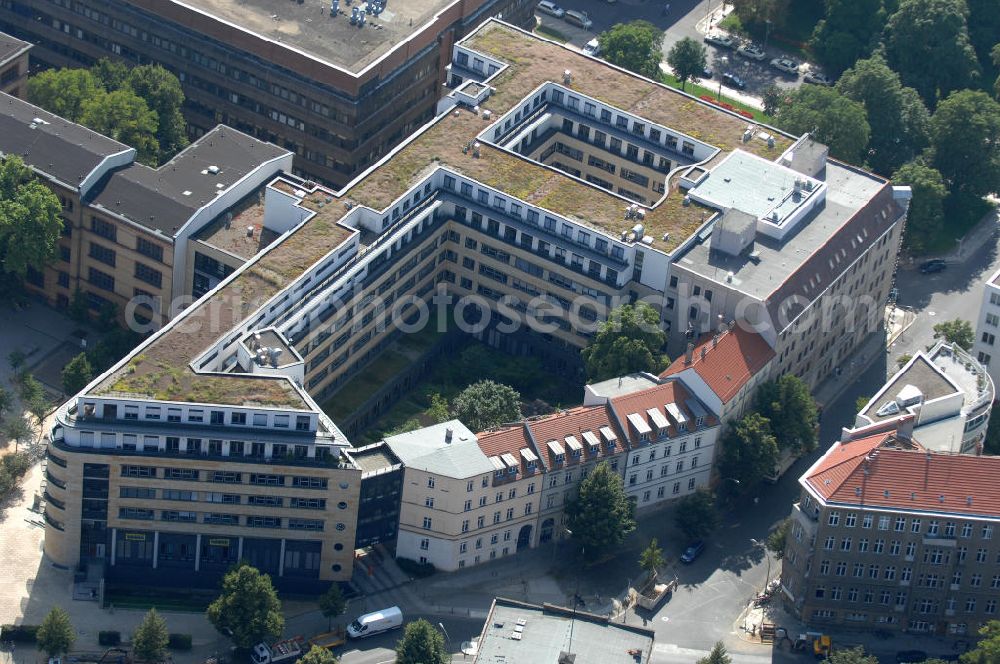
232,237
308,26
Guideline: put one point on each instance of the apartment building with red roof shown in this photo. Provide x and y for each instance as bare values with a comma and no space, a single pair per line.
890,535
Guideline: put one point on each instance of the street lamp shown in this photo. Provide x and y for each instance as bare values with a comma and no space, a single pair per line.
447,638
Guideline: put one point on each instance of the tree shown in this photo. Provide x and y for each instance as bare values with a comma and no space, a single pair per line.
162,93
903,359
995,56
601,515
749,451
317,655
984,28
332,604
438,410
830,117
696,516
248,607
927,42
848,32
688,60
791,411
151,637
965,139
76,374
110,74
487,404
651,558
987,650
956,331
16,429
56,634
421,644
851,656
925,216
761,11
636,46
124,116
33,397
63,91
30,219
719,655
861,402
900,123
776,539
629,341
6,401
771,97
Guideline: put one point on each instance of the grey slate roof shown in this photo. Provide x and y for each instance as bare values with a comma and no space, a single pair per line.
55,147
425,449
165,198
11,47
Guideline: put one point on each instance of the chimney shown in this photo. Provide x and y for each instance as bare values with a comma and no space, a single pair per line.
704,352
448,433
715,341
688,355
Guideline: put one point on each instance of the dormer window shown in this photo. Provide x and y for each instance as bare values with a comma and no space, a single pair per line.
700,421
512,470
499,474
595,450
560,458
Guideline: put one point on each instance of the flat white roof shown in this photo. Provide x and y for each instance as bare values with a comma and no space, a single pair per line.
591,438
573,444
639,422
658,418
675,413
556,447
528,455
608,434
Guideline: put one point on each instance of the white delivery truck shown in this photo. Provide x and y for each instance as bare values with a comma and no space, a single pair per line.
375,623
282,652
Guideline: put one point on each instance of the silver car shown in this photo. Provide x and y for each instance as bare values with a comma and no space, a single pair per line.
551,8
786,65
721,40
752,51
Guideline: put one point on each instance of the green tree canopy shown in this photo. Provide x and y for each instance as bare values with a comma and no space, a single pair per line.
927,42
317,655
601,515
771,97
776,539
719,655
688,60
851,656
995,57
248,607
63,91
17,430
791,410
761,11
56,633
987,650
30,221
111,74
151,637
76,374
421,644
438,410
651,559
965,140
332,604
956,331
749,451
831,118
695,515
636,46
629,341
162,93
124,116
849,31
900,123
487,404
925,216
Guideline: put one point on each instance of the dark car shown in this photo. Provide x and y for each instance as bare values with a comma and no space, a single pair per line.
933,266
706,72
910,656
693,551
733,81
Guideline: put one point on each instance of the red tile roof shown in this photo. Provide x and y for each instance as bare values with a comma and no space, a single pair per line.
575,422
506,440
728,366
657,398
907,479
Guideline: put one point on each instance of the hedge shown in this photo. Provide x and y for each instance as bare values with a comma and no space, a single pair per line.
19,633
417,569
109,637
179,641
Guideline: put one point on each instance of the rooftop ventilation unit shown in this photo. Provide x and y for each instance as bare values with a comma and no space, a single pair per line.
567,77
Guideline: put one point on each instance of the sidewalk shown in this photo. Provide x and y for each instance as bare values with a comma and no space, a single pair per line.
866,353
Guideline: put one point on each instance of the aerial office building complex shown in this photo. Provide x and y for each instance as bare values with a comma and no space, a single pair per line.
312,77
485,215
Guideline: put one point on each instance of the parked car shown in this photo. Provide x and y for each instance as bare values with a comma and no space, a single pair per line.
933,266
910,657
579,19
693,551
734,81
375,623
817,77
786,65
706,72
721,40
593,47
752,51
551,8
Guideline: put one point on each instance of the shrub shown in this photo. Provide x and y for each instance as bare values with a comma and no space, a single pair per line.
19,633
109,637
414,568
180,642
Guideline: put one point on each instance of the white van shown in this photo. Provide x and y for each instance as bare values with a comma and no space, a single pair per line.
375,623
593,47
